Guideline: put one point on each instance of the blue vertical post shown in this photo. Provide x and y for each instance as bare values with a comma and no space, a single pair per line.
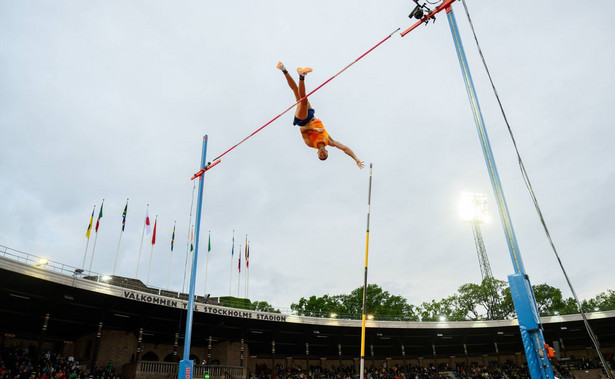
521,290
186,366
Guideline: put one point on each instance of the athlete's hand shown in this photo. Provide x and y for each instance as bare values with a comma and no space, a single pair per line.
360,164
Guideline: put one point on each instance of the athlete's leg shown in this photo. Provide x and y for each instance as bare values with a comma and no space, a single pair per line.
289,80
302,109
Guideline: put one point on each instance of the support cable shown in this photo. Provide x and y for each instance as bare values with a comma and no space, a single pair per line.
528,184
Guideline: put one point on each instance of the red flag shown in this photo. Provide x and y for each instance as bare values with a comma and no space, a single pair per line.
99,216
248,255
154,234
148,227
239,264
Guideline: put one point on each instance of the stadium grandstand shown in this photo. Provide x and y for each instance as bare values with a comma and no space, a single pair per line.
118,327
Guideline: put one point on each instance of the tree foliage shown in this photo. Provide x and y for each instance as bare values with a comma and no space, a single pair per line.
489,300
379,303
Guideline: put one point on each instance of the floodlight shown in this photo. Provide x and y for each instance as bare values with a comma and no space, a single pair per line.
473,207
42,262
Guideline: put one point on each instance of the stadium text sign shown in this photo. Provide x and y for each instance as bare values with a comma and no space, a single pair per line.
146,298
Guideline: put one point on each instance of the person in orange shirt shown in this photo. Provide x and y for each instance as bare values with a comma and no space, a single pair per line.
312,130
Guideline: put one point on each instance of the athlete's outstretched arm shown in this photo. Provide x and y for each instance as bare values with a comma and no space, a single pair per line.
346,150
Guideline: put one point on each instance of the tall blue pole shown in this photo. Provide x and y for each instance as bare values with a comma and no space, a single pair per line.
186,366
521,290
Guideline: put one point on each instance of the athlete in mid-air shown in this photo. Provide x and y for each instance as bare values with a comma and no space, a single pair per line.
312,130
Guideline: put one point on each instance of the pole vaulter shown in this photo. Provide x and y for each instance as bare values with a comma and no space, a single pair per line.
186,366
520,287
217,159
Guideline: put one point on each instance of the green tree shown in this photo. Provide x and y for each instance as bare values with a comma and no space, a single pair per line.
379,303
448,308
317,306
484,301
604,301
549,299
264,306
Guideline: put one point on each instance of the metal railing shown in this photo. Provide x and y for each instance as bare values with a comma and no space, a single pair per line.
147,367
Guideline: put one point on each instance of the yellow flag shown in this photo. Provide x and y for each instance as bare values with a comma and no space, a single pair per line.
87,233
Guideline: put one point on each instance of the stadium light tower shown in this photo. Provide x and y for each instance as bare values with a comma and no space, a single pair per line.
473,210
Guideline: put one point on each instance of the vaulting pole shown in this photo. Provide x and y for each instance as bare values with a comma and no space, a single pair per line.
186,365
369,200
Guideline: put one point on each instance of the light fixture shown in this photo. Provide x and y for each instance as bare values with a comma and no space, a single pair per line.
370,317
42,262
442,318
105,278
333,315
473,208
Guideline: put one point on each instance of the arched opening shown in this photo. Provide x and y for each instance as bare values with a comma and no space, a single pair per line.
150,356
171,358
195,359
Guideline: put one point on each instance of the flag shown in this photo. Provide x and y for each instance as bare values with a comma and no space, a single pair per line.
247,255
239,265
192,239
87,233
173,238
154,234
233,249
148,227
124,216
209,243
99,216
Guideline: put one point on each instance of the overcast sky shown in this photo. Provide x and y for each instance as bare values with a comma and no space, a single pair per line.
111,99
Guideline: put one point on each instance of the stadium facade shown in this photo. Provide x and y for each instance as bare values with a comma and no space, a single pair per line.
140,329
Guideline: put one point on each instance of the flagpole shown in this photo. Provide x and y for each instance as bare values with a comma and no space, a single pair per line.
230,279
188,251
207,263
141,245
189,237
120,241
248,273
369,200
151,254
239,273
92,256
96,237
88,235
245,277
171,257
117,253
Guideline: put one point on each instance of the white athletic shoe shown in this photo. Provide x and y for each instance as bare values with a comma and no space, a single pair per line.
303,71
280,66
